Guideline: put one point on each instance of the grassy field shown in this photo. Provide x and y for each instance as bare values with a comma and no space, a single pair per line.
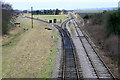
29,53
50,17
89,11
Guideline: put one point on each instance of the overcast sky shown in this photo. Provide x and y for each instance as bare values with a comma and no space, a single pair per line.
62,4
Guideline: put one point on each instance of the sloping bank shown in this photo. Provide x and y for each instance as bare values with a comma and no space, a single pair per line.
32,54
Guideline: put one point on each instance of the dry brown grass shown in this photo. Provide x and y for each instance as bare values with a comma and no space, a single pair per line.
79,19
28,58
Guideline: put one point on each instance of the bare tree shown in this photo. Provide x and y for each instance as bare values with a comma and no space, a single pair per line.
7,13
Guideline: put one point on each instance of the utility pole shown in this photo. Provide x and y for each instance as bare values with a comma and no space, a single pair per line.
32,15
50,21
52,30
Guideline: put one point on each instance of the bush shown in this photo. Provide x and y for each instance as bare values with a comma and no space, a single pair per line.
111,44
109,19
97,19
104,11
113,23
105,28
86,16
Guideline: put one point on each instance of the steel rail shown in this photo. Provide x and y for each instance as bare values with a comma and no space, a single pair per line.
62,32
109,71
98,56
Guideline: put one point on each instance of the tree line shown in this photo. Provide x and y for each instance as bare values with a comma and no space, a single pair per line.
47,12
111,19
105,28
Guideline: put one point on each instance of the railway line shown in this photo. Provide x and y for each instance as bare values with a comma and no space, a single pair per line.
100,70
70,69
70,65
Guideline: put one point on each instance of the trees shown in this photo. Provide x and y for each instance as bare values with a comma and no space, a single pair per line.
113,23
109,19
64,11
47,12
57,12
8,17
37,12
86,16
7,13
25,11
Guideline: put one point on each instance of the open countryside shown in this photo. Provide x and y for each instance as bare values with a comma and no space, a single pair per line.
55,43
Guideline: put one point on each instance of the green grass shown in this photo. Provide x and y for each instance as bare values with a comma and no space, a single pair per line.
49,17
71,28
12,52
9,44
51,59
89,11
30,53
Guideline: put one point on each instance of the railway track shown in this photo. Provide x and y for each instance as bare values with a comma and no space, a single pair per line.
70,69
101,71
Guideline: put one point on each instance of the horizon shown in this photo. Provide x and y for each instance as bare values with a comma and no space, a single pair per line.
85,9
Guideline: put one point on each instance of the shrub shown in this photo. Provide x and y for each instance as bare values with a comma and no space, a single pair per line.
86,16
105,28
97,19
113,23
104,11
111,44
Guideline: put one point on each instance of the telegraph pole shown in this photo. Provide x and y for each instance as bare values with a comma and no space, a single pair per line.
32,15
53,30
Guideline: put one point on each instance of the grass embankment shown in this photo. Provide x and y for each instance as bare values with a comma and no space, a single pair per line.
29,53
79,19
51,17
71,27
